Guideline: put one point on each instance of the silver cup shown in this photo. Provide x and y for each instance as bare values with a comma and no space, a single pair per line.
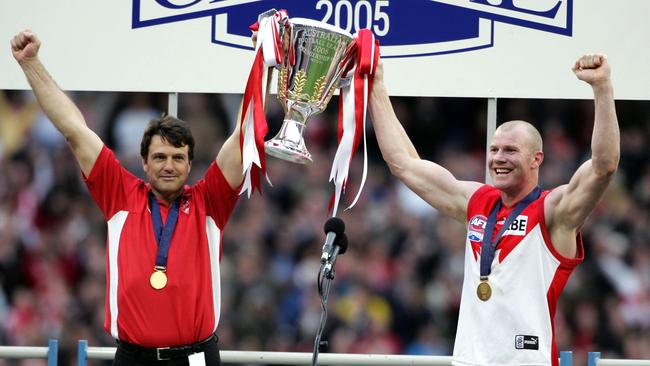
322,52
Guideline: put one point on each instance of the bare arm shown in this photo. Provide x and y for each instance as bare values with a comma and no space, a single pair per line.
229,157
568,206
63,113
432,182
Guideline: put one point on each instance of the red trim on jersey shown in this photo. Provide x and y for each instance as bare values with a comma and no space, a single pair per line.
506,246
567,263
561,276
491,194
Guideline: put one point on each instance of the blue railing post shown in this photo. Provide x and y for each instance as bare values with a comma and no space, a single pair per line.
566,358
592,358
52,352
82,352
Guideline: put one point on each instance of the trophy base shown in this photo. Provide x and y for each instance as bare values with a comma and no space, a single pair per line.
282,151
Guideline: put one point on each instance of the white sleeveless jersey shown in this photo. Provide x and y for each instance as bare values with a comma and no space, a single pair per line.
515,325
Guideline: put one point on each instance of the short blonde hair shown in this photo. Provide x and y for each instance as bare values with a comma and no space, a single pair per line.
533,136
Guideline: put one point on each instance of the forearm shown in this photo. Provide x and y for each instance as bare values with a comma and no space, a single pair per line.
394,143
229,158
63,113
605,143
230,150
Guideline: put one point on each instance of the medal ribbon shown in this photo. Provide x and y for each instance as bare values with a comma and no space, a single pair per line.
488,247
353,104
162,233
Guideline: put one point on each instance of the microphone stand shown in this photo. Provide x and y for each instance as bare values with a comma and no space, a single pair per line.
325,278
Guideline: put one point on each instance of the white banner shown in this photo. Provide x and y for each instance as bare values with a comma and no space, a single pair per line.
463,48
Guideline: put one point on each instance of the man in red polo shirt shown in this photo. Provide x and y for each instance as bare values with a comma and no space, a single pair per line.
164,237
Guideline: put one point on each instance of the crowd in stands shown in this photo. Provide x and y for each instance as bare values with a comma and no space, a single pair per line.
396,290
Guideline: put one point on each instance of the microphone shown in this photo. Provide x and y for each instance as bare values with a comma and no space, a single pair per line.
333,227
340,247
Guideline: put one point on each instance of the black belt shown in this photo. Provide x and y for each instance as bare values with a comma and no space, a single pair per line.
165,353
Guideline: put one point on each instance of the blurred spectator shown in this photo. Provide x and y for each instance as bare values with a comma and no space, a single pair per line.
17,114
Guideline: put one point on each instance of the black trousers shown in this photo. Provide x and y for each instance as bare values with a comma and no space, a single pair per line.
130,357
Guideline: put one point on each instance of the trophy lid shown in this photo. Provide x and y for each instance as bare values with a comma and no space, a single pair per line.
319,24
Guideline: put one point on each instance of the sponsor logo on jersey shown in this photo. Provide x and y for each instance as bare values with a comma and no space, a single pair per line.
526,342
185,206
518,226
476,228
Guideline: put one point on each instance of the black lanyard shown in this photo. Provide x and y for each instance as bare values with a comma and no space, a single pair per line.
489,246
162,233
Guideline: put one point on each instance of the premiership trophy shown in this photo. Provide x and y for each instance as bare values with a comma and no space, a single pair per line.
316,56
313,59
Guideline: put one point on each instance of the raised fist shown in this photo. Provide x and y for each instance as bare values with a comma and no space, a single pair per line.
25,45
593,69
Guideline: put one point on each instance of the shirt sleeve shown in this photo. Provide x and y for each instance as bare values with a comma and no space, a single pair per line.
220,197
110,183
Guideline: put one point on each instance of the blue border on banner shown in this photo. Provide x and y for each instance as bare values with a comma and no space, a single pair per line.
442,31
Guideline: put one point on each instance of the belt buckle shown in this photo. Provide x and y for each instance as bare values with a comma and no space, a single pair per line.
160,358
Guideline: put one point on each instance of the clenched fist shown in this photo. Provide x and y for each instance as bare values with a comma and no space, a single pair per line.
25,45
592,69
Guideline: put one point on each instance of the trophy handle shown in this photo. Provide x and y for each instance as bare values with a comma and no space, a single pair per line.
269,13
349,56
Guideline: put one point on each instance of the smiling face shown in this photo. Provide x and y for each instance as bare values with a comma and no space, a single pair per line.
166,168
514,158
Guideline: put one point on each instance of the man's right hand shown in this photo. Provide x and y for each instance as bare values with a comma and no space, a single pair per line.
25,45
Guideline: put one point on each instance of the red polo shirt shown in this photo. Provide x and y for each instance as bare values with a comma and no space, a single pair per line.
187,309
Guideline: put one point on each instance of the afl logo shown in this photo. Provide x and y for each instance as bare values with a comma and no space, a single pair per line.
476,228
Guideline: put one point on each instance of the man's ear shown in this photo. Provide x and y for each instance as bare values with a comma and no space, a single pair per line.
539,158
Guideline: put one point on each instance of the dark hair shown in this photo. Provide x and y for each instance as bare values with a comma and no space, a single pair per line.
171,129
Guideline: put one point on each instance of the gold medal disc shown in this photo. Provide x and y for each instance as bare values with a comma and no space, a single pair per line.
484,291
158,280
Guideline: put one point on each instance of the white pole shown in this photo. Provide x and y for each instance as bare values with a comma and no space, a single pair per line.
172,104
23,352
616,362
491,127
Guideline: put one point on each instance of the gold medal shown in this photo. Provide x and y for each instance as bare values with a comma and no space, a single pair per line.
484,291
158,279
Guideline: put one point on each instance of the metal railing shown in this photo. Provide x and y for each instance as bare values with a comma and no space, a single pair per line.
593,359
302,358
51,352
84,353
286,358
